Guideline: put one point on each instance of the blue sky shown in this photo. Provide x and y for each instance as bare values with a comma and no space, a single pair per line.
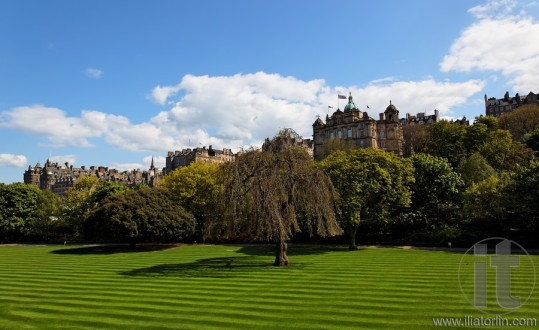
114,83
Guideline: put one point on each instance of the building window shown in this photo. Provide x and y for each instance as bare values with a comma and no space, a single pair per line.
331,135
382,144
362,143
339,132
382,134
349,132
361,133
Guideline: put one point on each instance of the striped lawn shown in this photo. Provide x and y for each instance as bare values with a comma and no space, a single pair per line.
204,287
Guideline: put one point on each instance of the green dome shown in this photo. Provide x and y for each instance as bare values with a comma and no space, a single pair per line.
351,105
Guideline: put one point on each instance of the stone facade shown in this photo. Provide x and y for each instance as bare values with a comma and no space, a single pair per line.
421,118
59,178
496,107
187,156
360,130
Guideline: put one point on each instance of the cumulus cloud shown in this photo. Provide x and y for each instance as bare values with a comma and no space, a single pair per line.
12,160
61,159
161,94
93,73
498,42
233,111
159,162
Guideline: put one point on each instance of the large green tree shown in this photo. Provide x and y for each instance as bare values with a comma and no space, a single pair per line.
475,169
371,182
274,193
437,186
19,204
476,135
144,215
447,141
502,153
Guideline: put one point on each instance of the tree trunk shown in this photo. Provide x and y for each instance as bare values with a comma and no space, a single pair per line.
352,236
281,260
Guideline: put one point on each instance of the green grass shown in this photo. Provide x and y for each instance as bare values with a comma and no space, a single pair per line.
203,287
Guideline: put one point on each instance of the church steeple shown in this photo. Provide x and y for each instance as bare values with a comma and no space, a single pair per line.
151,166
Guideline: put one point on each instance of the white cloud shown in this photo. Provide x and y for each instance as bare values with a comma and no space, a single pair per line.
493,8
12,160
233,111
127,166
161,94
505,43
158,161
61,159
93,73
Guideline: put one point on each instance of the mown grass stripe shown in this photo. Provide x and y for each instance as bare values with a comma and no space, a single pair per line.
214,287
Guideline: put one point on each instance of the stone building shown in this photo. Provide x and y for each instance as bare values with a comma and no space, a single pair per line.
360,130
59,178
421,118
496,107
187,156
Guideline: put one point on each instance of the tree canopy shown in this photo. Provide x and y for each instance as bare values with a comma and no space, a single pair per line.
143,215
195,187
525,119
18,206
370,183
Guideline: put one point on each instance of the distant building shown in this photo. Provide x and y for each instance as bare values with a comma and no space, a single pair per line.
361,130
59,178
496,107
421,118
187,156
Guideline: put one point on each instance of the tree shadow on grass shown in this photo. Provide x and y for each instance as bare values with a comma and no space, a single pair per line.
220,267
114,248
293,249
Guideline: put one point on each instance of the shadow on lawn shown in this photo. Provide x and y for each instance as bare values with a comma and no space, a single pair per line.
212,267
293,250
116,248
221,267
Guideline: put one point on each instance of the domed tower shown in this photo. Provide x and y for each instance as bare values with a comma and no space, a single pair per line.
391,113
351,105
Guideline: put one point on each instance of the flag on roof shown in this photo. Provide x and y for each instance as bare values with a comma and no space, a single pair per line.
342,96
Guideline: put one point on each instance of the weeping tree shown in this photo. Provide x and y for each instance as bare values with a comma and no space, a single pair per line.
272,193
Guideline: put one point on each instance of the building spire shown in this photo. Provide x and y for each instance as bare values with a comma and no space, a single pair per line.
151,166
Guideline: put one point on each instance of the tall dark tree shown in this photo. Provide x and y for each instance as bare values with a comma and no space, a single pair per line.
18,206
144,215
447,141
274,193
437,186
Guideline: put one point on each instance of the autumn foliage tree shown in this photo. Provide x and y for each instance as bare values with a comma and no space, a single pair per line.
275,192
194,187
